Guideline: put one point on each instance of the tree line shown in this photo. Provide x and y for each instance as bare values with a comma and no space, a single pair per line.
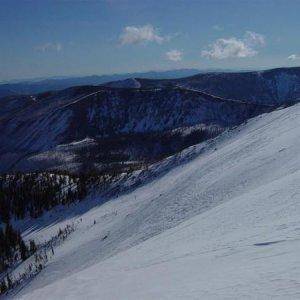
39,256
34,193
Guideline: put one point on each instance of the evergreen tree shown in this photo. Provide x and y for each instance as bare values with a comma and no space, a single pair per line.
3,287
32,247
8,282
23,250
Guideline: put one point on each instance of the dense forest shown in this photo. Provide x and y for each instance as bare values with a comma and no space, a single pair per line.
12,250
33,193
12,247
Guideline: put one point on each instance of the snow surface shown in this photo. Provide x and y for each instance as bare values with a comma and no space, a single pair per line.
225,225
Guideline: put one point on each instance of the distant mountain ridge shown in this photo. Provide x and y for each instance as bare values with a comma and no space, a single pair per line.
34,86
135,120
275,86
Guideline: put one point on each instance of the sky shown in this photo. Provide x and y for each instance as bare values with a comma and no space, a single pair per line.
75,38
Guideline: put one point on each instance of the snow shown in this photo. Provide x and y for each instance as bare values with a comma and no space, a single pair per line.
77,144
224,225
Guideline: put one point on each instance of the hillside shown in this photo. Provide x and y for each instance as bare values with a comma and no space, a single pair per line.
223,225
50,120
133,121
273,87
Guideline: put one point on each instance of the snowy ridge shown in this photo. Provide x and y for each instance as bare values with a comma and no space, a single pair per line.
224,225
217,97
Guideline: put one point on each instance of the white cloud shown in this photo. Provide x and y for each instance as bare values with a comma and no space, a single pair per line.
174,55
294,57
141,34
227,48
234,47
49,47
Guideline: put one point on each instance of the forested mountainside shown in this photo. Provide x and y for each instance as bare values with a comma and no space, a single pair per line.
108,132
57,118
31,194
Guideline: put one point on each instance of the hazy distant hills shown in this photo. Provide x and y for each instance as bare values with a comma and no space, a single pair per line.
51,84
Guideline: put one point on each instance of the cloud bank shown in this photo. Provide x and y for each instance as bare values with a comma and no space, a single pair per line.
235,48
294,57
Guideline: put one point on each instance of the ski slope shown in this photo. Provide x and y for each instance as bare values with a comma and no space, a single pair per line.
225,225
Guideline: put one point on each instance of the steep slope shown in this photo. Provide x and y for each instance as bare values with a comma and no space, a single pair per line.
11,105
239,204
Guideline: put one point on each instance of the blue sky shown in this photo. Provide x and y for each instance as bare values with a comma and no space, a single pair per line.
56,38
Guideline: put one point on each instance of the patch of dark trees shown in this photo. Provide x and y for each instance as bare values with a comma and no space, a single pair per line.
12,247
12,250
139,148
33,193
40,255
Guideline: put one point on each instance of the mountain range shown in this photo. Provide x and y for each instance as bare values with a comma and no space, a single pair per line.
130,120
135,177
40,85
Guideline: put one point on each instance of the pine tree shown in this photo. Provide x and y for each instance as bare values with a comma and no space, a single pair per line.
23,250
32,247
3,287
9,282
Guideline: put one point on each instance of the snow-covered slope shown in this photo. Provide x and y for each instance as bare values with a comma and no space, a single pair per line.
223,226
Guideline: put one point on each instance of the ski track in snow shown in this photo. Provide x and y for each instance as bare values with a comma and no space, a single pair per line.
223,226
